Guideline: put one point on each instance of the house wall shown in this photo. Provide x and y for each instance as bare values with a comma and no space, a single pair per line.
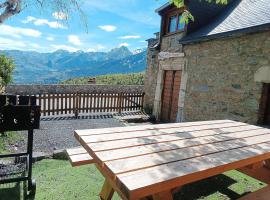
150,77
221,83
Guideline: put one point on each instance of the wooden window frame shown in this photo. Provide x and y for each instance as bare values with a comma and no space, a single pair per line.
168,16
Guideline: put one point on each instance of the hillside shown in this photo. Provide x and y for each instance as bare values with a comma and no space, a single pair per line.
112,79
35,67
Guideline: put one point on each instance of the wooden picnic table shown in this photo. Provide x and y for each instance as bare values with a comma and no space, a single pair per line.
153,160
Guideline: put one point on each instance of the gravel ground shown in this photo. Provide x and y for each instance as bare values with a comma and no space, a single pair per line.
57,133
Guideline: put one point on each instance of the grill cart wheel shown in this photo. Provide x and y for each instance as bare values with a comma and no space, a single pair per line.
32,192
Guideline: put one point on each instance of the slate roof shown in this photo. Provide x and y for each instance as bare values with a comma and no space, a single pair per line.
238,17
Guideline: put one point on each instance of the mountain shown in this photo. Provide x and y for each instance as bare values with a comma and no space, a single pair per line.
35,67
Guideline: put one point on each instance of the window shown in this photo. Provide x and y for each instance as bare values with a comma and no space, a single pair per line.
172,24
181,24
175,23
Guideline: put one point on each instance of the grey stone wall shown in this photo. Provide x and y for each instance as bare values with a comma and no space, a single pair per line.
151,72
150,80
221,78
65,89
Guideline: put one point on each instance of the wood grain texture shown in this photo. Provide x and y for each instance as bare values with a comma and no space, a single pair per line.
146,160
262,194
79,156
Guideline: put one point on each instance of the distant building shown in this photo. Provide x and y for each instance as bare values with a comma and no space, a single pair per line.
217,67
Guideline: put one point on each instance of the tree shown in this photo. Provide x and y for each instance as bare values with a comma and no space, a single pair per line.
187,16
9,8
6,69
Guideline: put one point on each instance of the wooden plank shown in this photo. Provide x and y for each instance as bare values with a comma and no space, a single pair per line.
161,158
76,151
262,194
118,144
148,133
44,102
154,148
165,195
49,104
171,175
81,159
107,191
83,103
62,103
261,174
57,104
53,104
148,127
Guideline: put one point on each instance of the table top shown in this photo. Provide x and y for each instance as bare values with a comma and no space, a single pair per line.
142,160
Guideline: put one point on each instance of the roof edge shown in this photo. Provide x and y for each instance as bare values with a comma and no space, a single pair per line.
158,10
239,32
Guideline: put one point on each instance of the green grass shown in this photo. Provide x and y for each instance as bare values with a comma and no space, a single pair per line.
58,180
8,138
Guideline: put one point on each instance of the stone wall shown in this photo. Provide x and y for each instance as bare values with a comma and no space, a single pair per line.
221,81
65,89
150,80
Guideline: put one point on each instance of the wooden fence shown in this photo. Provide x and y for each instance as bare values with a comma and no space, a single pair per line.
76,103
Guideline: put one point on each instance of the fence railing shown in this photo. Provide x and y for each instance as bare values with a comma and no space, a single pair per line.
56,104
66,100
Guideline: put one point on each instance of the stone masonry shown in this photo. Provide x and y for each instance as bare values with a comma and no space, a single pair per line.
220,76
221,81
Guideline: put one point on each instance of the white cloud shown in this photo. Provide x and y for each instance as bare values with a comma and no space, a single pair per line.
96,48
49,38
75,40
64,47
108,28
42,22
18,32
130,37
60,15
7,44
124,44
19,44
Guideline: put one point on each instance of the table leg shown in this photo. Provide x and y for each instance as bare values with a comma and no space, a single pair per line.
267,163
166,195
107,191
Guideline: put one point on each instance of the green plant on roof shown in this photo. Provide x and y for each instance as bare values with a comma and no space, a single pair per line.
187,16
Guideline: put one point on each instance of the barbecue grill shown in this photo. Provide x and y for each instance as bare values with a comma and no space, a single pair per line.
19,113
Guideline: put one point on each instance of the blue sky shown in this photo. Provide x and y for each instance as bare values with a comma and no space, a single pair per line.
110,24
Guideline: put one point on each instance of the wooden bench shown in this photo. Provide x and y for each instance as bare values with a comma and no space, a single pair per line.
262,194
79,156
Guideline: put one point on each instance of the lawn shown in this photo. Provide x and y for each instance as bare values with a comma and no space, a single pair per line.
9,138
58,180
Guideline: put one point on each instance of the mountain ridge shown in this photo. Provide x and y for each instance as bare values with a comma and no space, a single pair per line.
54,67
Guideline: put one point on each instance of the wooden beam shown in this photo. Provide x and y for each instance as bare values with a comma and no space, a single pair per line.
166,195
107,191
261,174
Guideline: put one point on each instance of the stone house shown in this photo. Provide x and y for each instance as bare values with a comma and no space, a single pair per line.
217,67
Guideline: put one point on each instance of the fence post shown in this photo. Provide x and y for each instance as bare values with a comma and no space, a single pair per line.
120,99
77,98
143,94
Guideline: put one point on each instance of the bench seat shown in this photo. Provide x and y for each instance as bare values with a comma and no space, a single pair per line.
78,156
262,194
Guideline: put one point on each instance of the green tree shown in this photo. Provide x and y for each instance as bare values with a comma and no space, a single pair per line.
9,8
187,16
6,68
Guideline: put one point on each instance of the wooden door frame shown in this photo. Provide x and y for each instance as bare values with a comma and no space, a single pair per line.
265,96
171,91
175,62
